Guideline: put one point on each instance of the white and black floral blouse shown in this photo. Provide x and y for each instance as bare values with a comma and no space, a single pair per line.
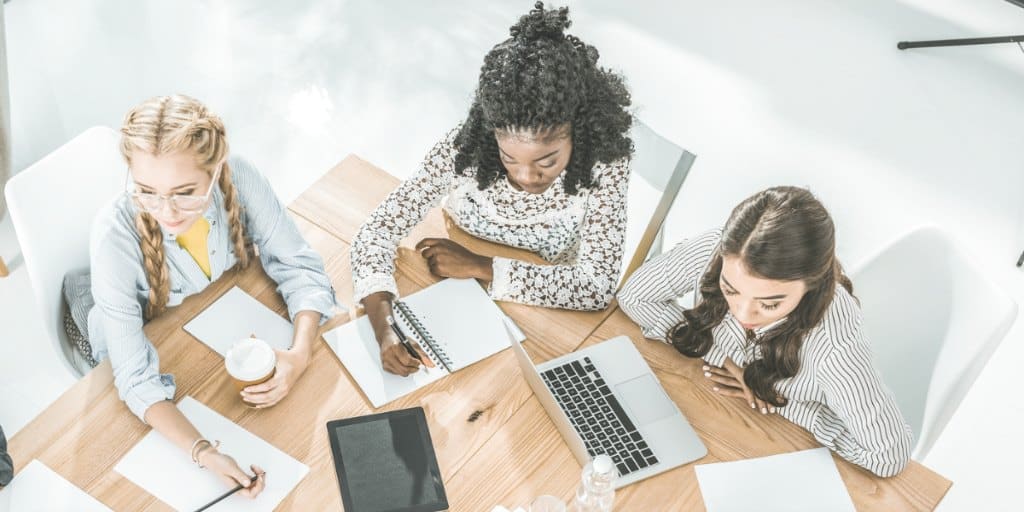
580,235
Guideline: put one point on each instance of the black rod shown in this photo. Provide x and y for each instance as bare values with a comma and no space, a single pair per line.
903,45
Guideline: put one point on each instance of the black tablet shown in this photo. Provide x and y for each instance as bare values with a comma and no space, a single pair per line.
386,463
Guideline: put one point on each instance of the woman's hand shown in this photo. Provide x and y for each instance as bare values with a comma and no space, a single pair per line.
290,366
231,474
449,259
396,359
728,381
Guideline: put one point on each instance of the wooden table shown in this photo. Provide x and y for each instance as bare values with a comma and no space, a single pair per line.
494,443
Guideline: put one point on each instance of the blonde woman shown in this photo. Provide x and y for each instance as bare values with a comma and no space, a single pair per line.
189,212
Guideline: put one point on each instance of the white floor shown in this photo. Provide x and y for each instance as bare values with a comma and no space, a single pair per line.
793,92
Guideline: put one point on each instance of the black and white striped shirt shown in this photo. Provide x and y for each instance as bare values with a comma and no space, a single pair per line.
837,395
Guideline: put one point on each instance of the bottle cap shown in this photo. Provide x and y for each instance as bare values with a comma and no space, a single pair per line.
603,464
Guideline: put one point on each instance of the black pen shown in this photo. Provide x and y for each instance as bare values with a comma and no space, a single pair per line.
229,493
405,342
1020,261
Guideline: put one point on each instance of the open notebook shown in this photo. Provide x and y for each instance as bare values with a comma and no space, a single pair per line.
455,323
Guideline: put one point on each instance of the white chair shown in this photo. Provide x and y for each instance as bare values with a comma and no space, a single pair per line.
52,205
658,170
933,321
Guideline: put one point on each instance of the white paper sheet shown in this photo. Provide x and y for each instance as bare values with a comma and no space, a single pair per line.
790,482
37,488
166,472
236,315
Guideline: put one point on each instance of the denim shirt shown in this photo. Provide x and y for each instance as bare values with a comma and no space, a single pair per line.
121,291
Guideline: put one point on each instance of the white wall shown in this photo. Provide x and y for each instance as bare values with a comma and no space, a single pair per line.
765,93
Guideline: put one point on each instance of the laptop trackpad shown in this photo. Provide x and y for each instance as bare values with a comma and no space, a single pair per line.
645,399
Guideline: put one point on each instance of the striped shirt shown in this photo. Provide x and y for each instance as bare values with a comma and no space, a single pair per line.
121,291
837,395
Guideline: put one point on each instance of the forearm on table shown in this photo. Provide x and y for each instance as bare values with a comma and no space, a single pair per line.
165,417
306,325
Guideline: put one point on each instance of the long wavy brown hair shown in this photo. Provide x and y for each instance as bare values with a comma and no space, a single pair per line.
168,124
781,234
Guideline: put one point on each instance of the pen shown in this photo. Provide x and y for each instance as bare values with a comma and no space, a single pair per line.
405,343
1020,261
229,493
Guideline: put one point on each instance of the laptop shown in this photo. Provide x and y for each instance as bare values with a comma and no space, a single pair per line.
604,399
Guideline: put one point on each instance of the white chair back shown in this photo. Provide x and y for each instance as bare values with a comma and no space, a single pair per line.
52,205
659,168
933,321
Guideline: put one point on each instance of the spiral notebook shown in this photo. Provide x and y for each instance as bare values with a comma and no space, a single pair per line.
455,323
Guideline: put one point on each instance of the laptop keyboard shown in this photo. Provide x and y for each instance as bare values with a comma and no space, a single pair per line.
597,415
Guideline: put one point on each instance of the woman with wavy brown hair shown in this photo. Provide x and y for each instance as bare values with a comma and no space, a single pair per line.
776,322
190,212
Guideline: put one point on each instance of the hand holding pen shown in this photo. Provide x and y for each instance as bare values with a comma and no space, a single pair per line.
256,483
413,356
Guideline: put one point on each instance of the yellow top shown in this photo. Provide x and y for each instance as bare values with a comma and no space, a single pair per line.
194,241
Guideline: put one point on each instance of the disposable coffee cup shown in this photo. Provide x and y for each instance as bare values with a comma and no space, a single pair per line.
249,362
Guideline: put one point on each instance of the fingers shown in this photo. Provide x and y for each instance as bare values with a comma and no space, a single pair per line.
729,391
423,356
268,393
429,242
725,380
239,477
396,360
260,483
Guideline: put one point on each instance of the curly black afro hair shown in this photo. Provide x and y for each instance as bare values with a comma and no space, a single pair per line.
540,79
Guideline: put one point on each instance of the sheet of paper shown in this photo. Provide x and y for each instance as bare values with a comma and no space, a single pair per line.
236,315
164,471
356,347
790,482
37,488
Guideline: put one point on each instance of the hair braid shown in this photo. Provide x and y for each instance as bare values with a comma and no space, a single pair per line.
234,210
152,245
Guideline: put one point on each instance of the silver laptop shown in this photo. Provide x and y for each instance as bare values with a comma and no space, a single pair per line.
605,399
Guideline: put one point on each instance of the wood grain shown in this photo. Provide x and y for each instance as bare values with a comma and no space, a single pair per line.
494,442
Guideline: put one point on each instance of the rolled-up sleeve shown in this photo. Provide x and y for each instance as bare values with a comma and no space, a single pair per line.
286,256
115,324
649,296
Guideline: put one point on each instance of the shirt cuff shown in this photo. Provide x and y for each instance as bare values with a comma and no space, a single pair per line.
148,392
321,301
715,356
365,286
502,287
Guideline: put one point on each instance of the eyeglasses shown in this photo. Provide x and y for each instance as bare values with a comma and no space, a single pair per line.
153,203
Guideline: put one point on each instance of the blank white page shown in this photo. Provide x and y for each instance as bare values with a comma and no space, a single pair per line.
37,488
167,472
805,481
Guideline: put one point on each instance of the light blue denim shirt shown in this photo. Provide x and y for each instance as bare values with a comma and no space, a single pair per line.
121,291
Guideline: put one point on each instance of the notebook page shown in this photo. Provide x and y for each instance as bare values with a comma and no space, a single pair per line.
357,349
463,320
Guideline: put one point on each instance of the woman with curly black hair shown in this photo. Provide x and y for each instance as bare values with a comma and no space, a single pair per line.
540,163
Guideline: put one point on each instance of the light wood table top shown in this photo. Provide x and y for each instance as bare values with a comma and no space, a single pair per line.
494,443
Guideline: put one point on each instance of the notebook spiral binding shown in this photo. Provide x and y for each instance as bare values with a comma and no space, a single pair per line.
436,351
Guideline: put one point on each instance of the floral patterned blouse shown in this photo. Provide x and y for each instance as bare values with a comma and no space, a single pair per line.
580,235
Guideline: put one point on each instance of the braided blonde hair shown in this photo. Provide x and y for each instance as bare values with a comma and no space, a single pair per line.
164,125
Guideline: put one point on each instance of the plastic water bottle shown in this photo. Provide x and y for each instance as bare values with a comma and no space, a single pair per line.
596,492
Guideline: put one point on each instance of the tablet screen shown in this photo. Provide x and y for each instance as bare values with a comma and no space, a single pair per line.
386,463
